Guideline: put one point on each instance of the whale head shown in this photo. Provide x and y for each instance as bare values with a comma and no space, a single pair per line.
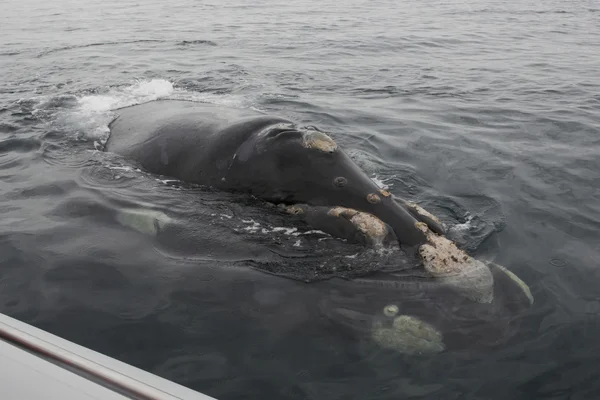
414,314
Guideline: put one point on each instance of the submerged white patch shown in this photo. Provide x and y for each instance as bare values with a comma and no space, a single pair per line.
391,310
143,220
408,335
522,285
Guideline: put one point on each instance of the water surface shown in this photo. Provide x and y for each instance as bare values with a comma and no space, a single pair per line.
485,112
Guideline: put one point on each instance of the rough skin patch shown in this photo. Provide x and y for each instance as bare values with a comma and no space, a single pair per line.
408,335
294,210
340,181
421,211
371,226
373,198
342,211
385,193
444,260
319,141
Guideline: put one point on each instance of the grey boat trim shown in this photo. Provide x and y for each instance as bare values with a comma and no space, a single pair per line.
35,364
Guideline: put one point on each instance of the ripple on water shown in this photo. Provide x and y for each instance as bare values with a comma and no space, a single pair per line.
81,207
105,284
8,128
110,176
20,270
196,42
97,44
16,154
60,188
202,364
19,145
68,157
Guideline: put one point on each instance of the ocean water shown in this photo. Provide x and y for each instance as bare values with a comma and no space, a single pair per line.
485,112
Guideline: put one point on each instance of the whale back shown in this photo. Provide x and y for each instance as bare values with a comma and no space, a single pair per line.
185,140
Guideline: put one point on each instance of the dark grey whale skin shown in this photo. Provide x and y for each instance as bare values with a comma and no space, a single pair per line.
244,150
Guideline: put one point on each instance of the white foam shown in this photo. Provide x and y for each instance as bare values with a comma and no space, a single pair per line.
123,168
235,101
152,89
140,92
167,181
254,227
381,182
464,227
94,112
286,231
92,104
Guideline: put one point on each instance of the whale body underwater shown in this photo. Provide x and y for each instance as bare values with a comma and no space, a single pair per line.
306,173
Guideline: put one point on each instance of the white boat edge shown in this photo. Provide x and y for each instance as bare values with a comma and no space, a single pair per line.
35,364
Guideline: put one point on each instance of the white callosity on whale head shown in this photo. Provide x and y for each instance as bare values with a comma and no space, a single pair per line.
319,141
445,261
421,211
374,229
